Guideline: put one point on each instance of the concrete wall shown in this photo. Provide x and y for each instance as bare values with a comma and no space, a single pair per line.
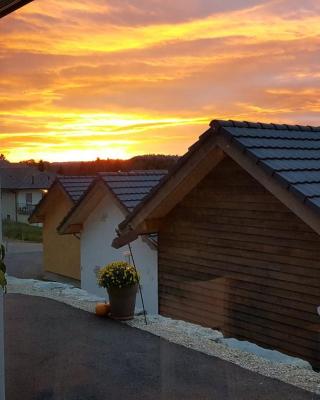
10,199
61,252
96,251
37,195
8,202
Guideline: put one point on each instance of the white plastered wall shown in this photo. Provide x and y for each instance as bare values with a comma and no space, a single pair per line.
96,251
11,199
37,195
8,202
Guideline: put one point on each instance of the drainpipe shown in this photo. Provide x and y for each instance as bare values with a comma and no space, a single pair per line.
2,389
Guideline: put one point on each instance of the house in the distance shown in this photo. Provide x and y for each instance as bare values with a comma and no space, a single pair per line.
61,254
110,198
238,224
22,189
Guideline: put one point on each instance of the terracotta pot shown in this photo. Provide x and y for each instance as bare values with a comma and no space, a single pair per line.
122,302
102,309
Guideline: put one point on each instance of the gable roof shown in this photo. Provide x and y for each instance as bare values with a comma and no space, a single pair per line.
131,187
72,186
289,153
8,6
18,178
127,188
75,186
283,158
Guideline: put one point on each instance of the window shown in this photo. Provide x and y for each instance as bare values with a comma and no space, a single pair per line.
29,198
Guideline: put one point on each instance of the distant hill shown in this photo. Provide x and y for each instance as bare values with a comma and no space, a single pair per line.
148,161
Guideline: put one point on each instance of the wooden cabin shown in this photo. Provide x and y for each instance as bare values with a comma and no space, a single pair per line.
61,254
238,223
110,198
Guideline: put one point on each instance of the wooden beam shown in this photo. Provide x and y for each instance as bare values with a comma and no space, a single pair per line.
8,6
124,239
150,226
75,228
82,209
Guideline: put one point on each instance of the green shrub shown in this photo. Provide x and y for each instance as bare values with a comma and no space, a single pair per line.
21,231
118,274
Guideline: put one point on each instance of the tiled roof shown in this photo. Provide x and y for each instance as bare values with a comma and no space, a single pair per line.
8,6
75,186
290,153
25,178
130,188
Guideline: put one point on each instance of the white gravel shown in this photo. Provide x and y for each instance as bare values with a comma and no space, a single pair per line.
62,292
195,337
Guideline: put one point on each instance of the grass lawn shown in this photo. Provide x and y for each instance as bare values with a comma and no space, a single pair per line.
20,231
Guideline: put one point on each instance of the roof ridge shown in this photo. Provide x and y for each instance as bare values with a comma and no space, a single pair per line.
74,176
135,172
219,123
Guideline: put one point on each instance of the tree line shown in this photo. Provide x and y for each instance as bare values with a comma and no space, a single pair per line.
143,162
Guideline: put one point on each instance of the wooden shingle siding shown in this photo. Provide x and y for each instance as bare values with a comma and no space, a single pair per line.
232,257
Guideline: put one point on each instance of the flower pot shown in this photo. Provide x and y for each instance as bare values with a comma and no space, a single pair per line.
122,302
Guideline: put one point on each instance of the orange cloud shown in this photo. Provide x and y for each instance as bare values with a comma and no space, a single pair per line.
82,79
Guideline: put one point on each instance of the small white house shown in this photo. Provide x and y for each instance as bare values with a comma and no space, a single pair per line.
109,199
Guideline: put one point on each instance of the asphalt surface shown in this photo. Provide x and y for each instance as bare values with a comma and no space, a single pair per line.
57,352
24,259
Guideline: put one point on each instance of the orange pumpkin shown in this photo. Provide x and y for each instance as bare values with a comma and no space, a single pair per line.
102,309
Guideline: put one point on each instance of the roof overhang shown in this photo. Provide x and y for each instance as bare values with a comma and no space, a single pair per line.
8,6
202,157
189,172
47,203
98,190
74,220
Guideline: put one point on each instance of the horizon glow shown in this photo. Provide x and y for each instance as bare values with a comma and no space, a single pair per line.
88,79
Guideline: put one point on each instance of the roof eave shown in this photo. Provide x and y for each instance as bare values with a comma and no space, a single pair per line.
12,6
124,239
71,219
137,222
197,163
38,213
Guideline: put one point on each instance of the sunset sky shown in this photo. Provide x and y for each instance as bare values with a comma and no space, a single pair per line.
81,79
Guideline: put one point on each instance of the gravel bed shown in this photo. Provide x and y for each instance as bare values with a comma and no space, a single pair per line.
195,337
62,292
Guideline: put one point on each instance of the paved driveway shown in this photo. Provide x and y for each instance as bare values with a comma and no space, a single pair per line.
24,259
57,352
